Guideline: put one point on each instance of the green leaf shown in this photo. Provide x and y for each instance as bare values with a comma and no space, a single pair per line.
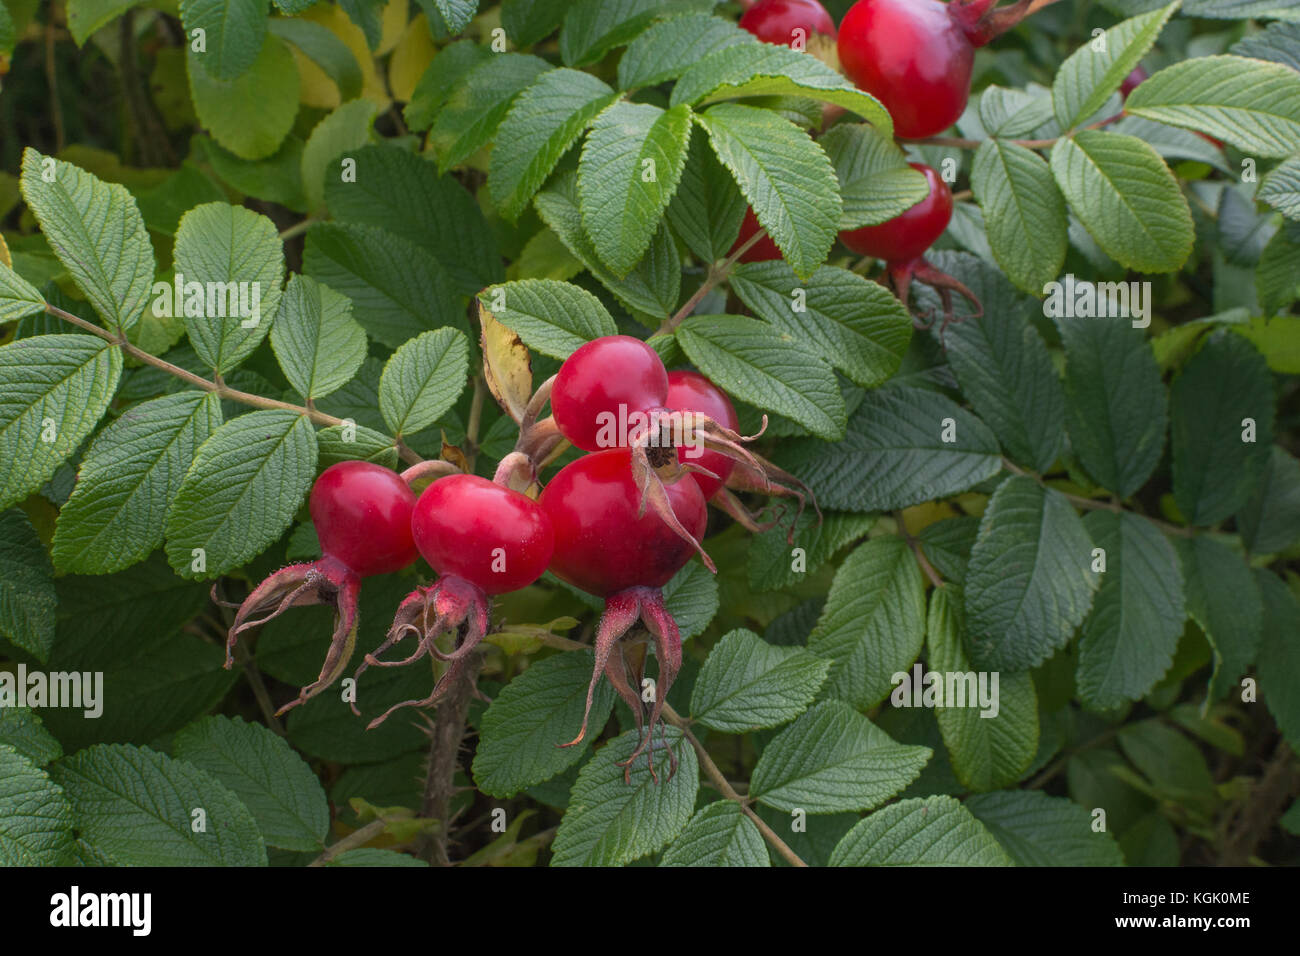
233,33
22,730
397,191
1281,188
85,17
137,806
240,494
747,683
262,770
771,557
832,759
718,835
1023,212
873,624
96,231
537,710
454,14
444,77
1279,264
1240,9
691,596
130,474
744,358
666,50
339,134
252,113
542,124
854,324
1011,112
1126,197
1223,599
364,444
35,817
318,344
610,822
1088,78
767,69
371,857
1174,765
550,316
1038,830
707,209
423,379
784,175
1029,584
478,104
27,596
894,454
1109,371
1215,467
18,297
324,48
397,289
1252,104
237,258
1129,639
947,545
933,831
527,21
1270,520
277,178
629,170
1279,655
52,387
988,749
876,183
594,27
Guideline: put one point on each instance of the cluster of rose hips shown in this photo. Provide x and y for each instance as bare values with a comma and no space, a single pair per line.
617,522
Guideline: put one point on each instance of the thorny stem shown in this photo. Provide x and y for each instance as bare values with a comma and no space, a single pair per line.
357,838
444,757
1094,504
717,273
198,381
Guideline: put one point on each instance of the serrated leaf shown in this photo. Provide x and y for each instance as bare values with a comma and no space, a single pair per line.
371,857
1279,654
22,730
718,835
318,344
35,817
478,104
538,710
947,545
1011,112
629,170
832,759
785,176
233,32
1129,639
1029,583
545,120
1270,520
1223,599
747,683
1023,212
237,258
252,113
455,15
96,231
527,21
18,297
707,209
1038,830
1109,371
1088,78
893,454
339,134
365,444
136,805
51,387
262,770
691,597
1252,104
744,358
609,822
876,183
594,27
668,49
27,596
442,78
934,831
1279,42
1126,197
127,480
241,492
771,557
1215,467
767,69
1281,188
550,316
325,726
854,324
423,379
873,624
397,289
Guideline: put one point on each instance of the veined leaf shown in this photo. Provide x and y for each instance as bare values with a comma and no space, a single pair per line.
1023,212
233,33
668,49
249,114
478,103
1223,599
876,183
1279,654
594,27
934,831
552,317
35,817
747,683
718,835
423,379
1270,520
319,345
342,132
707,209
18,297
28,600
1038,830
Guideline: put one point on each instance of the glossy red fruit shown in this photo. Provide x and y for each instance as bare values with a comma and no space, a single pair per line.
601,546
614,375
692,392
913,57
907,236
484,533
763,250
362,513
787,22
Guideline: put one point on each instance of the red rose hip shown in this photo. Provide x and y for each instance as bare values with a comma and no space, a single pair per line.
908,235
